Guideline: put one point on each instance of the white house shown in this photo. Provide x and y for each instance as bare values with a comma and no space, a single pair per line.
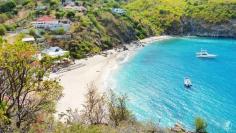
54,52
118,11
28,39
49,23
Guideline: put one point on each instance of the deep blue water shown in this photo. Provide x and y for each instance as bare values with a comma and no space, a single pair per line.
153,81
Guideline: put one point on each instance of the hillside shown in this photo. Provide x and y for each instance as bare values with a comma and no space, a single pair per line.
189,17
98,28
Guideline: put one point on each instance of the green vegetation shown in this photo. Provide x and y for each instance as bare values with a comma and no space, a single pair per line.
2,30
200,125
99,29
28,98
168,16
24,96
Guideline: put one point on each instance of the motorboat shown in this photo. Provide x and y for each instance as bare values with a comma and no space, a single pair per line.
205,54
187,82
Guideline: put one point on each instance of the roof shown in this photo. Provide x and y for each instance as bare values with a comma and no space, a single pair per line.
45,18
28,39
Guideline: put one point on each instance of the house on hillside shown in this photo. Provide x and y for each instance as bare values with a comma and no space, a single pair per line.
118,11
28,39
68,2
41,8
54,52
49,23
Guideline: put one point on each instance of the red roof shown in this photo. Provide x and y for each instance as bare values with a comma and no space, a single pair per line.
45,18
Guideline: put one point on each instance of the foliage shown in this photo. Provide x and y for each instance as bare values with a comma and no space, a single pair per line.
7,6
200,125
213,11
161,16
32,32
60,14
11,27
2,30
24,94
59,31
70,14
118,111
3,17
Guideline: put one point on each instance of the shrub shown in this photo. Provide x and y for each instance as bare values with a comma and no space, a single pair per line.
60,31
60,14
200,125
70,14
94,111
117,108
32,32
3,17
7,6
10,27
2,30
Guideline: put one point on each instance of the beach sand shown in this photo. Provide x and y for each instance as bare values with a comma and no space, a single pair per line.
94,70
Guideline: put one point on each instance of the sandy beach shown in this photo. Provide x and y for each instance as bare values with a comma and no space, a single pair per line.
93,70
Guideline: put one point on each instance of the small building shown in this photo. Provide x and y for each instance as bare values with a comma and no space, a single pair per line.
76,8
49,23
118,11
54,52
41,8
28,39
68,2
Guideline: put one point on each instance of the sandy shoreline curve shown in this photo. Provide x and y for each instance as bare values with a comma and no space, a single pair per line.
93,70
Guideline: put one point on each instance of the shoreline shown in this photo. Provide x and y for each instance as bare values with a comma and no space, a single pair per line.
94,70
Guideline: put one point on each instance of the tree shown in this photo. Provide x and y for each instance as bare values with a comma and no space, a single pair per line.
200,125
25,90
32,32
118,111
3,17
2,30
60,14
70,15
94,111
7,6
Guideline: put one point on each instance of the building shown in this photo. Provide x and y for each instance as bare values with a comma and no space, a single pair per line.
28,39
41,8
118,11
54,52
49,23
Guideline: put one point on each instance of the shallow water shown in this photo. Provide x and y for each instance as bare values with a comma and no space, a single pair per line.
153,81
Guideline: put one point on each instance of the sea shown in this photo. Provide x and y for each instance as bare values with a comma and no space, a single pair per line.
153,80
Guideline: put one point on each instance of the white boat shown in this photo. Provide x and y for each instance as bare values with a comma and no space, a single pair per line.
187,82
204,54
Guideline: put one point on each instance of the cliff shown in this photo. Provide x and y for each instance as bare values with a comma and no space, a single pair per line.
193,27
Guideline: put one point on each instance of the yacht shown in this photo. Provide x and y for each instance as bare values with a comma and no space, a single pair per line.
204,54
187,82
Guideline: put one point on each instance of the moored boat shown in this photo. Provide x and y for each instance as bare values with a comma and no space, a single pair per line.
187,82
205,54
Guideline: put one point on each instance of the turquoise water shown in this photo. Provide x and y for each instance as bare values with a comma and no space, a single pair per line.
153,81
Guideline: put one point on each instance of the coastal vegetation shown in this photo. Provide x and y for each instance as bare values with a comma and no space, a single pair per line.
28,96
98,28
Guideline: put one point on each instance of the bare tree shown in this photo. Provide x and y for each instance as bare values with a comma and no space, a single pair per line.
94,111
